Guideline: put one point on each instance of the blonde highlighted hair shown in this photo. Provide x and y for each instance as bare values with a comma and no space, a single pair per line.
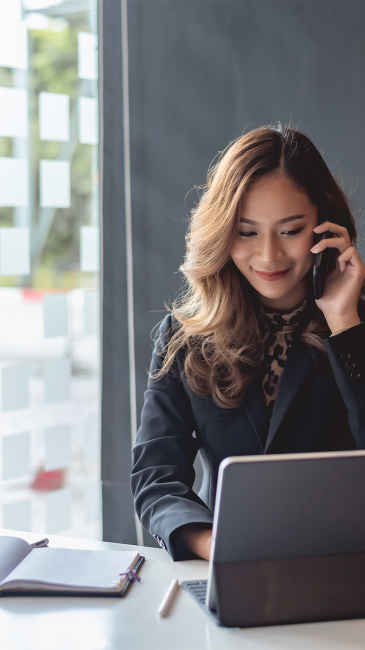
217,313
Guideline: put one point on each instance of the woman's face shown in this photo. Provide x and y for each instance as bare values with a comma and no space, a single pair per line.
271,236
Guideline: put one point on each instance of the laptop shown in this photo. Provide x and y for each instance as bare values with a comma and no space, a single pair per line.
288,542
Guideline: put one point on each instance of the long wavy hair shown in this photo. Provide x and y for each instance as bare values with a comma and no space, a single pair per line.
216,316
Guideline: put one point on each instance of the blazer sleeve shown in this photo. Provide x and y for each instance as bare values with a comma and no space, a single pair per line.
162,458
346,352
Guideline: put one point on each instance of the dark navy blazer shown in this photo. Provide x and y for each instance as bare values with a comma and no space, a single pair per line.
320,406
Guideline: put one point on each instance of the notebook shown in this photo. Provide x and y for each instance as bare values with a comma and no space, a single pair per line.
36,568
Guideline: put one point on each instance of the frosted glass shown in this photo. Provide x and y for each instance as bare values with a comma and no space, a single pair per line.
54,117
13,38
89,253
58,511
55,315
87,55
91,448
91,313
13,113
57,375
13,182
17,515
14,386
93,505
57,445
88,120
16,455
11,11
55,184
14,251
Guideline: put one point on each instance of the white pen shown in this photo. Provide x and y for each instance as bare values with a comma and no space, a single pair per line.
168,599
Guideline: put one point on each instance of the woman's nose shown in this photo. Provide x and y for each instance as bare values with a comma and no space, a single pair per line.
269,249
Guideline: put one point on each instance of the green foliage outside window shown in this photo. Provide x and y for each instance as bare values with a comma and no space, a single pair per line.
53,67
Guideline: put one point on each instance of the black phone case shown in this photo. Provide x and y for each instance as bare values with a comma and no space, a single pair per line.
324,263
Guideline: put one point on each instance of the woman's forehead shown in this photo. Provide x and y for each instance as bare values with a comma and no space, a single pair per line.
277,199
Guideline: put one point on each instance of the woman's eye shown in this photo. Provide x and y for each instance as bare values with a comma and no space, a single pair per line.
288,232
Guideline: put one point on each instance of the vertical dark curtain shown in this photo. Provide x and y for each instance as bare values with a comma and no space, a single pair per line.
118,516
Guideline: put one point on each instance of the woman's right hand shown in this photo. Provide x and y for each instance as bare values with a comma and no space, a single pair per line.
198,537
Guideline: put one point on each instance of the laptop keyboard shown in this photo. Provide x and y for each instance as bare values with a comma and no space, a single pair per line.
197,589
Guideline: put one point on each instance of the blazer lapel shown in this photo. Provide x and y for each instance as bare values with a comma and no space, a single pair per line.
298,363
254,405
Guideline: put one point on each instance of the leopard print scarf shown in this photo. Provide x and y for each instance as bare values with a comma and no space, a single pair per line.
280,327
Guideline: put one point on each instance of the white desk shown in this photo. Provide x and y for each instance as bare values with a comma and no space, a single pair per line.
132,623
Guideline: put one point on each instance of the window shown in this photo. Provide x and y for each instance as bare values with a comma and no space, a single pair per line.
49,268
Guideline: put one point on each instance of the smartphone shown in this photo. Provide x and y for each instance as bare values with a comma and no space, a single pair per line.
324,263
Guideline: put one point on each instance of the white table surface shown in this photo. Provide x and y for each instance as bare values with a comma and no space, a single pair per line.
132,623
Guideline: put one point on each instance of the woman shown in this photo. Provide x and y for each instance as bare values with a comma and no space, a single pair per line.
248,363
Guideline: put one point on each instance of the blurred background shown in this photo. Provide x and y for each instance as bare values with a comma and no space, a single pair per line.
110,113
49,267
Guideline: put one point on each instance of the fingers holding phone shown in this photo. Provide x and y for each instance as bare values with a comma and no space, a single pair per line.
333,248
324,262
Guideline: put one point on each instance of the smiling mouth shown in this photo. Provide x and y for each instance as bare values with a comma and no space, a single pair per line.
272,276
271,272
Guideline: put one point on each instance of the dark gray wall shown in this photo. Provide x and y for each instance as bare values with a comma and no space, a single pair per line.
203,71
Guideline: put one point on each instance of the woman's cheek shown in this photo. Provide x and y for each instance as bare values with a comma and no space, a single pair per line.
237,251
303,247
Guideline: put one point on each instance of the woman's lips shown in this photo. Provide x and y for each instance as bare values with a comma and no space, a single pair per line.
272,276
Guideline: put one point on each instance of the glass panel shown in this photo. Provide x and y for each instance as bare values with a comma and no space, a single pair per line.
49,262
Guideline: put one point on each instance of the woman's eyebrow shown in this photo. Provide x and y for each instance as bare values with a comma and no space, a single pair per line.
293,217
